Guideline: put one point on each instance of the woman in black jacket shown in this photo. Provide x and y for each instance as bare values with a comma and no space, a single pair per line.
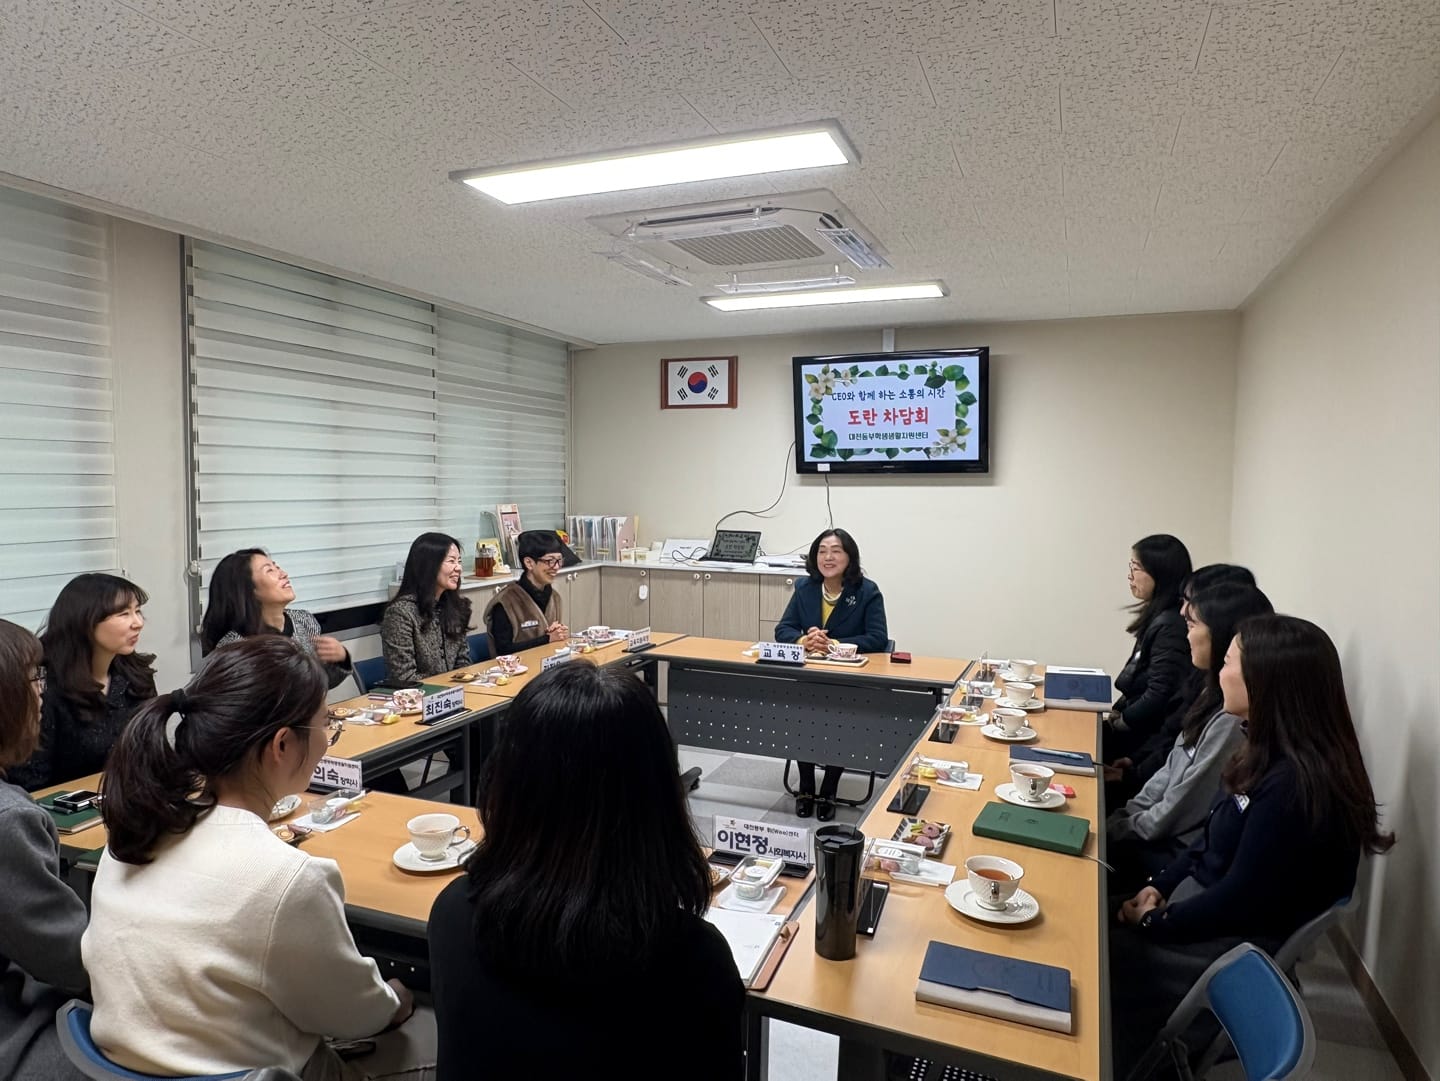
834,603
1154,679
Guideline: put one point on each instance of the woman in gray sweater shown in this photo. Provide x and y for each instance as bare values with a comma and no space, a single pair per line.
1146,834
425,628
40,965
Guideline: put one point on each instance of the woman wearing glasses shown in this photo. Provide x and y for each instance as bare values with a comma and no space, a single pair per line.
258,964
425,626
527,613
40,935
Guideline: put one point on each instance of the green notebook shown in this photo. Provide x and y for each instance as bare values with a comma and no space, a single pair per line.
69,823
1038,829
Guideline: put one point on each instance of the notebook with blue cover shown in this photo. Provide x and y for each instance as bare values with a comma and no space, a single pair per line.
1004,987
1076,762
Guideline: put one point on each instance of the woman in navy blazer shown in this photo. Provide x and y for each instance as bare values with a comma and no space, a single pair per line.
835,603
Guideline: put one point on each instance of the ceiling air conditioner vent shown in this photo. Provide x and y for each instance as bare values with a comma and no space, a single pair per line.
772,244
791,229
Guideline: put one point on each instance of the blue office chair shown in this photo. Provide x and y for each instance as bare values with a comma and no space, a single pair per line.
73,1020
369,672
1260,1011
479,647
1300,946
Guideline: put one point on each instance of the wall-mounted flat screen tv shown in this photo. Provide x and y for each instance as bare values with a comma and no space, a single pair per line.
923,411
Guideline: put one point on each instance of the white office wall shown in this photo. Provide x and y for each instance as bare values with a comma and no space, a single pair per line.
147,337
1103,430
1337,508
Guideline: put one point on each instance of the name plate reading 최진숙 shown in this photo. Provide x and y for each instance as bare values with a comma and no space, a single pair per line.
743,838
781,653
554,659
442,703
332,772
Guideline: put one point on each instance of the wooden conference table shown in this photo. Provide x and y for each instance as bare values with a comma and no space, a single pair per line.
869,1002
468,736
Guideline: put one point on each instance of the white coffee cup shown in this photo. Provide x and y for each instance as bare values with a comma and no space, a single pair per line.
1031,781
433,834
1020,693
1022,669
843,650
597,634
1009,720
993,880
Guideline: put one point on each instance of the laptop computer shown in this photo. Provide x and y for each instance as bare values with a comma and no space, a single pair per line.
733,546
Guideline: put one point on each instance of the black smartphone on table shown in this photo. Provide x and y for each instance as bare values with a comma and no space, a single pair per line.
72,802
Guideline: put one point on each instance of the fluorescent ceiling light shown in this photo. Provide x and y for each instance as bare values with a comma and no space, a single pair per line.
811,147
863,295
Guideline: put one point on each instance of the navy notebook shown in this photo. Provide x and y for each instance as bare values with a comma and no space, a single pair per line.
1077,762
1005,987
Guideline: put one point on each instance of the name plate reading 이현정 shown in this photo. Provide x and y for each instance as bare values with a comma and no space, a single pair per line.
744,838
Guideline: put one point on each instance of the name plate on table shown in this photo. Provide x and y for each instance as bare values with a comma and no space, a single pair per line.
743,838
441,703
638,641
792,653
554,659
332,772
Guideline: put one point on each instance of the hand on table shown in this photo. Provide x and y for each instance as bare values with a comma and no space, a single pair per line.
816,640
330,650
1135,909
558,632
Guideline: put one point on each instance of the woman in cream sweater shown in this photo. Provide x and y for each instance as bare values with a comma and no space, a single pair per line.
213,945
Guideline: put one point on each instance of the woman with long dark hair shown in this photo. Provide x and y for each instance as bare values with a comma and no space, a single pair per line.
40,966
250,594
834,602
1153,679
425,628
1283,840
257,963
95,678
584,897
1167,814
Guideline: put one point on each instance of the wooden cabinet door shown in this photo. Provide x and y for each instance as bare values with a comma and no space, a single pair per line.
620,602
584,603
732,604
775,594
561,586
677,602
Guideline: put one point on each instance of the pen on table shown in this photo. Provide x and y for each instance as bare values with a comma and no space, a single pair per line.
1062,754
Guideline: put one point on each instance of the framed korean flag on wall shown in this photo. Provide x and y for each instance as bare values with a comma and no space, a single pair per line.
698,383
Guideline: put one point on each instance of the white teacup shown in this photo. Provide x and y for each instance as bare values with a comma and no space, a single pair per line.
993,880
433,834
1020,693
508,662
1031,781
843,650
1022,669
1009,720
597,634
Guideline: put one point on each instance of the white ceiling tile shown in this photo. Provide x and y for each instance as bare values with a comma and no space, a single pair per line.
1044,157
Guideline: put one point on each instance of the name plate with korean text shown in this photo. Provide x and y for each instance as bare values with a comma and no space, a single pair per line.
332,772
781,653
744,838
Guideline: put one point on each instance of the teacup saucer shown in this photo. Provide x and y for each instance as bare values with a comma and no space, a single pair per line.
994,731
408,859
1051,801
1032,706
1021,908
1010,677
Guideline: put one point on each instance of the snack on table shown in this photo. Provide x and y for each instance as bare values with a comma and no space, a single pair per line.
342,713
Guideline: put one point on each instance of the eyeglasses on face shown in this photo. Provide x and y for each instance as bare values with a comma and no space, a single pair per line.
333,730
553,562
39,678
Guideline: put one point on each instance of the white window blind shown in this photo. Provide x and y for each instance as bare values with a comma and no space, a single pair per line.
313,423
504,407
57,489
